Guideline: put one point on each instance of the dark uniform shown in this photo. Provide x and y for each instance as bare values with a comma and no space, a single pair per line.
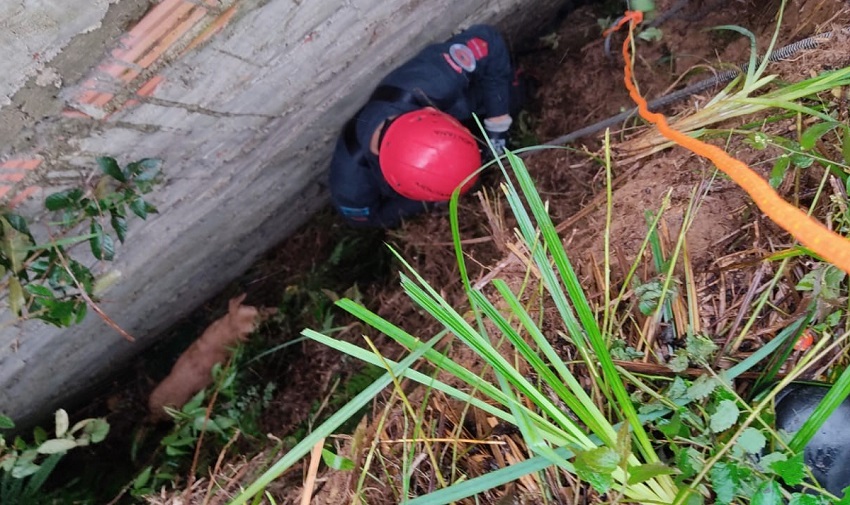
469,73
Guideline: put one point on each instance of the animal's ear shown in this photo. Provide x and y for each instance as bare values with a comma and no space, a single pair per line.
234,304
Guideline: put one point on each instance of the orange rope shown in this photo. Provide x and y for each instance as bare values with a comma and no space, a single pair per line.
811,233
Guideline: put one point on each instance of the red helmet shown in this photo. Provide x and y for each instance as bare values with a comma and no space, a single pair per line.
425,154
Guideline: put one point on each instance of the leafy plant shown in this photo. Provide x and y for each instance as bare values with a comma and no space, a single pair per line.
26,467
112,196
43,280
696,441
222,412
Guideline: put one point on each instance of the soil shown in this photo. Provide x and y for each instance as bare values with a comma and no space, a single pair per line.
577,84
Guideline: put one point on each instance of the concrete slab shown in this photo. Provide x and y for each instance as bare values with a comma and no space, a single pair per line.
240,98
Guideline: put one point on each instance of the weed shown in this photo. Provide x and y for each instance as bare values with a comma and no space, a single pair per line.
43,280
26,467
225,411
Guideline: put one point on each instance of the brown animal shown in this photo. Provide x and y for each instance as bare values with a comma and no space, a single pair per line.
193,370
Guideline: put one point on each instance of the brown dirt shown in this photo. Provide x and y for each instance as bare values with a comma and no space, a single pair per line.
578,85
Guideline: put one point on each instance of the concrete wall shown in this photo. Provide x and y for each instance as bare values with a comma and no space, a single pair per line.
240,98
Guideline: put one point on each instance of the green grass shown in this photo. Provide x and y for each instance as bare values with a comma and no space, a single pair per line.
705,431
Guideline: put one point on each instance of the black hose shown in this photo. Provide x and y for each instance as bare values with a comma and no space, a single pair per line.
720,78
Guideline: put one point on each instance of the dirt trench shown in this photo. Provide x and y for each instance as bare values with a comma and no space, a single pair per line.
577,84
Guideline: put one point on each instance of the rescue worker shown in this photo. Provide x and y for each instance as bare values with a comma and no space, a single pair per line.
410,145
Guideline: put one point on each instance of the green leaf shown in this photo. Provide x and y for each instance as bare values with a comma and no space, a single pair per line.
752,440
596,466
809,138
82,308
791,470
824,280
805,499
195,402
6,422
845,146
700,348
802,160
40,290
651,34
62,423
768,459
643,5
693,497
758,140
16,295
725,416
39,435
145,169
780,168
18,223
726,482
648,296
689,462
102,246
678,390
56,446
119,224
833,278
622,351
702,387
98,429
679,362
624,443
768,494
142,479
809,281
24,469
173,451
336,461
46,468
673,427
82,274
69,198
108,247
110,167
224,422
203,424
649,471
139,207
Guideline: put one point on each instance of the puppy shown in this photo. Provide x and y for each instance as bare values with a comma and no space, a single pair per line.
193,370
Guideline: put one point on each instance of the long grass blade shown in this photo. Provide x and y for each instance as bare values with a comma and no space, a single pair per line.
328,427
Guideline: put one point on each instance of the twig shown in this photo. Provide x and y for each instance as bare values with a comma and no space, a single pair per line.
505,263
91,303
310,482
755,288
445,440
654,369
218,465
191,478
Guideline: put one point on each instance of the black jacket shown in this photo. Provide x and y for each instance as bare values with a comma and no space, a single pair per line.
469,73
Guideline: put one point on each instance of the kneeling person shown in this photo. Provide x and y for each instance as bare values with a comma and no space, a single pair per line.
410,145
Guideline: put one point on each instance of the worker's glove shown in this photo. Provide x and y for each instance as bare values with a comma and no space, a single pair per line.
497,132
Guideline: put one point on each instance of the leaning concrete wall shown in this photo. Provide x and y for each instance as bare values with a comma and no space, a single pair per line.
240,98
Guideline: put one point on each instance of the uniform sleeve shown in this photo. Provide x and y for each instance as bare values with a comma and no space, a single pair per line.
380,213
358,198
478,57
482,55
